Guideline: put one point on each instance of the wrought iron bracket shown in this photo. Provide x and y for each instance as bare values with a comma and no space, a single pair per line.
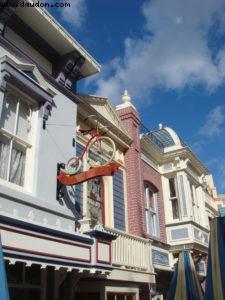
59,192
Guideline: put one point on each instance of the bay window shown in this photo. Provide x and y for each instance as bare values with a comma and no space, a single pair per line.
174,198
15,137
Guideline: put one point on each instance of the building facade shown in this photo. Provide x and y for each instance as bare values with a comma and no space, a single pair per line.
146,213
40,64
104,202
171,194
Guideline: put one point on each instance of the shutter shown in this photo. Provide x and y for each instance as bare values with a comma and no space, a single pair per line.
79,189
118,201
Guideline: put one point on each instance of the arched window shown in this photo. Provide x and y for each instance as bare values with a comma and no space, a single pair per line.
151,208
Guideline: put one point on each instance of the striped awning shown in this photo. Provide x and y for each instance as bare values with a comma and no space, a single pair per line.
4,293
185,284
215,280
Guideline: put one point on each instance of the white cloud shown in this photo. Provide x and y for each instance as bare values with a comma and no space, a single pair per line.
214,122
75,14
172,54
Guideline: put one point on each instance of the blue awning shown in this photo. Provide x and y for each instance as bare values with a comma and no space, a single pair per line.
4,292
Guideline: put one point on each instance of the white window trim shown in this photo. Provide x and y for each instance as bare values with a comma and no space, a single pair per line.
175,198
151,214
30,146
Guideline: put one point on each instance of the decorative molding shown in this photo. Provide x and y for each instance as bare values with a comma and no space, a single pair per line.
4,79
45,230
103,235
10,74
98,247
67,72
24,57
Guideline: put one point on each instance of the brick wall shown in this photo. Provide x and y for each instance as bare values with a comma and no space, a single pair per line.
135,202
137,171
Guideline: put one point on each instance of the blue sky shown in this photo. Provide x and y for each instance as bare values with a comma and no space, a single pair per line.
170,55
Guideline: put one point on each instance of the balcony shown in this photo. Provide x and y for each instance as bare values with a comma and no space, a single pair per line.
188,235
130,252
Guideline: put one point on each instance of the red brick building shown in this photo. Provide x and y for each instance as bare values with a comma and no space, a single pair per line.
145,205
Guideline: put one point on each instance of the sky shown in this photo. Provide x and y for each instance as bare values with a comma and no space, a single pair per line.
169,55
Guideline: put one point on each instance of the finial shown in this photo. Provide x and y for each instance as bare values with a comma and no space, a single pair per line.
160,126
126,97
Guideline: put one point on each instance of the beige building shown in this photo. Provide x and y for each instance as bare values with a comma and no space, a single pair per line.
188,191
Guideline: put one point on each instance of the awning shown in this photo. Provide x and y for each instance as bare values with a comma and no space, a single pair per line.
215,280
185,284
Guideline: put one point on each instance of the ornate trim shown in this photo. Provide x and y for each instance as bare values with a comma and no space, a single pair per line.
10,74
67,72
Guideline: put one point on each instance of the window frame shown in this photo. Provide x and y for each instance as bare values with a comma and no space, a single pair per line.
27,146
152,214
101,202
174,198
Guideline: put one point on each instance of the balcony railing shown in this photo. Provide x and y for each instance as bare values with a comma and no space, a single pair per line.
130,251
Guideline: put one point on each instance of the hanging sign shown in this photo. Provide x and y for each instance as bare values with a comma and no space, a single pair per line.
107,170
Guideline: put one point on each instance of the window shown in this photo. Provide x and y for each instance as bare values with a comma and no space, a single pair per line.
24,282
95,197
121,296
151,198
173,198
15,137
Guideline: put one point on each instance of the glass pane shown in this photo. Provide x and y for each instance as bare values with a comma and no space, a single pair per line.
4,156
172,187
95,210
120,297
110,297
33,275
24,124
16,293
34,294
153,223
24,294
175,209
94,199
130,297
8,117
15,273
17,166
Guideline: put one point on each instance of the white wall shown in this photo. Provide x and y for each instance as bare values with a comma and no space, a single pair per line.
37,202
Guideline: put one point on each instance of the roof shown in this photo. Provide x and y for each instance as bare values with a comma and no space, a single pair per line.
103,108
56,36
164,138
166,143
